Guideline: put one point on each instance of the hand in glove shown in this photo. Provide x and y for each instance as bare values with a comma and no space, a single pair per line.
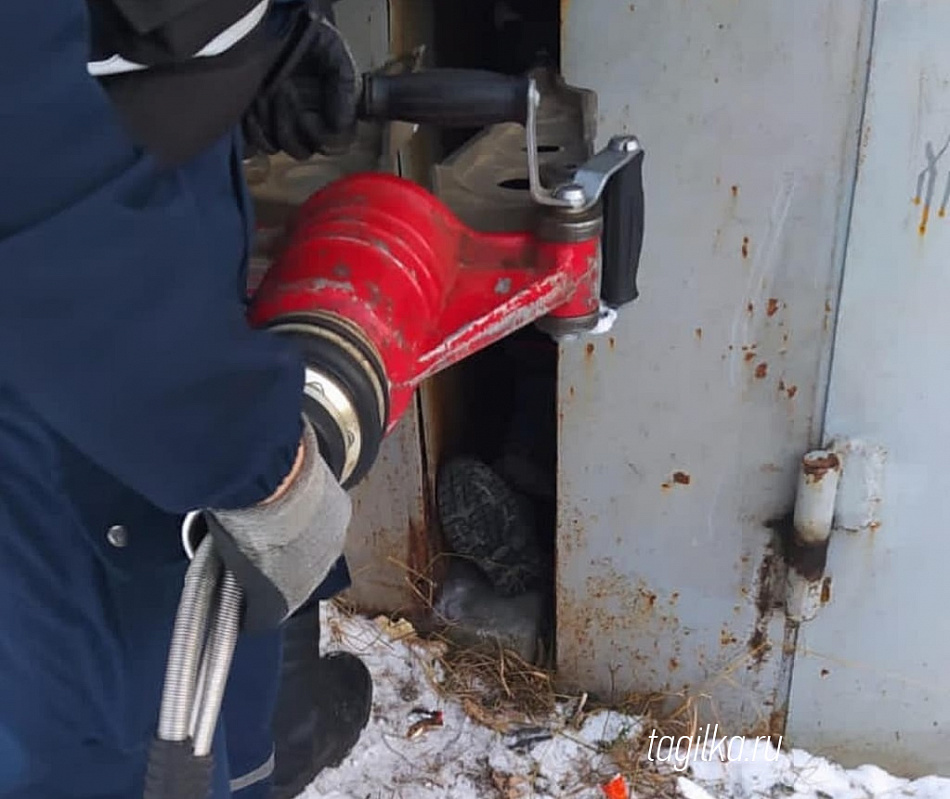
309,104
281,550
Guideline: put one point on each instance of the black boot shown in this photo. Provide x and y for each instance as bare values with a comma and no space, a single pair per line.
322,708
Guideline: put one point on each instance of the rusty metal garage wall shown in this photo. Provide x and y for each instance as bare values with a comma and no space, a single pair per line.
681,430
871,680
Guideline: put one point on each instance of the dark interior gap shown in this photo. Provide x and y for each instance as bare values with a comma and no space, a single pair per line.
497,474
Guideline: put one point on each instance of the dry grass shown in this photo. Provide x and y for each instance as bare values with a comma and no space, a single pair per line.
496,688
499,690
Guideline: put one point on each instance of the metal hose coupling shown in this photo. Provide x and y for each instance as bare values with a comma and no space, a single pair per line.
346,391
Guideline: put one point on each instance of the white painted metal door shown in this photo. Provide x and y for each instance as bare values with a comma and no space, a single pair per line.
682,430
871,681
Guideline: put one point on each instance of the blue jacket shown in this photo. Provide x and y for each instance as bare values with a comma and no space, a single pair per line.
132,390
121,312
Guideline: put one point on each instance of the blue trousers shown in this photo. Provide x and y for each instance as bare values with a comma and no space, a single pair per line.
82,659
84,633
81,734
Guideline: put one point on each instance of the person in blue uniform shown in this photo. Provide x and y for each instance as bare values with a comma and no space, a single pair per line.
132,391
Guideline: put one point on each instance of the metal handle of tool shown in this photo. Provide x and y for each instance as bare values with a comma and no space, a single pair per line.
180,763
457,98
624,218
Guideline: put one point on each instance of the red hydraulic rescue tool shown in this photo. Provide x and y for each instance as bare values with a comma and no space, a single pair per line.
383,286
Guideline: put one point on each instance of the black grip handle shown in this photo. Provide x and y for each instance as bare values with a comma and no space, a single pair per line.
623,234
460,98
174,772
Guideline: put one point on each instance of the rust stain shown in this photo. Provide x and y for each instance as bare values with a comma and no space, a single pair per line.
570,391
772,307
698,332
824,673
818,467
745,246
763,599
682,478
674,597
624,613
761,370
791,391
924,219
735,191
665,486
749,356
727,637
758,645
612,342
777,724
805,559
826,591
750,308
574,538
808,560
590,349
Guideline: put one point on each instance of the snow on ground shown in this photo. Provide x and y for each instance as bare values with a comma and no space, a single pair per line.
463,760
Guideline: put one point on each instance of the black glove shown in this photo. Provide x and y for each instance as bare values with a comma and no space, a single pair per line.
309,103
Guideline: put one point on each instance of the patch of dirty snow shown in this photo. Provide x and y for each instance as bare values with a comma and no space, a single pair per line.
419,745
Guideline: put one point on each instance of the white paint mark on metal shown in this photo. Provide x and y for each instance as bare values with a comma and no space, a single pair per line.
608,316
802,597
861,488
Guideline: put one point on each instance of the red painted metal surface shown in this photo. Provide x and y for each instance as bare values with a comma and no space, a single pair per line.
427,291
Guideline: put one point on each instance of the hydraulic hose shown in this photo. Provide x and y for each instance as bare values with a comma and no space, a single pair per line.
174,771
222,639
191,623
